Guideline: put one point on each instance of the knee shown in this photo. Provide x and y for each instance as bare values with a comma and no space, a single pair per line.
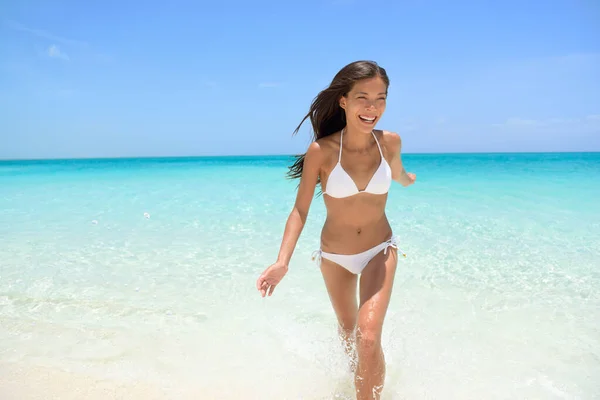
368,339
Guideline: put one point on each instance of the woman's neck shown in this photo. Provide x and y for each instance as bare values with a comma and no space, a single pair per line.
355,140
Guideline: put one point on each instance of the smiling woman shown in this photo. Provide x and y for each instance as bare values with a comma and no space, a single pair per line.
355,165
353,83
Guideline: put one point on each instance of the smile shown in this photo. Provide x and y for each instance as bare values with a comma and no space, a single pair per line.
367,119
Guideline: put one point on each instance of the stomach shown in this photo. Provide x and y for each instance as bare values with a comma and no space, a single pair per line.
355,224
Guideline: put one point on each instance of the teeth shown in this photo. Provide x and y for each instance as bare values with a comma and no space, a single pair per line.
367,118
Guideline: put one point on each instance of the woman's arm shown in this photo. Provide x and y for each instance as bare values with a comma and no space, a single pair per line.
271,276
399,174
306,190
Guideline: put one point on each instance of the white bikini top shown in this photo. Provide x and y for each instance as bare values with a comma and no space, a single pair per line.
340,184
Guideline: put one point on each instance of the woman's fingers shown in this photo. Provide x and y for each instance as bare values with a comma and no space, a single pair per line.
266,284
264,287
260,283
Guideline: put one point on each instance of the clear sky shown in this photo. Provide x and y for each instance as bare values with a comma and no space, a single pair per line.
133,78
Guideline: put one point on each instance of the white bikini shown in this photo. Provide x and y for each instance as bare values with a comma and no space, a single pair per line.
340,185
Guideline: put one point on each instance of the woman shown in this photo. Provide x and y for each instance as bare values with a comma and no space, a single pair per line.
354,165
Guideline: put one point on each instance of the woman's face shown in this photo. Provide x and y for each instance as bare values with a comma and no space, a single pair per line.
365,104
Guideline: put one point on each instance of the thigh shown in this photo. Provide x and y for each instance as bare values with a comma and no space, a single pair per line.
341,287
376,283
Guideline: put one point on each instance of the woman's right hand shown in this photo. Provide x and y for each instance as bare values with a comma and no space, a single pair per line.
311,166
270,278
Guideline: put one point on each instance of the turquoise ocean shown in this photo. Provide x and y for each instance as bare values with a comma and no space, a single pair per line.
142,271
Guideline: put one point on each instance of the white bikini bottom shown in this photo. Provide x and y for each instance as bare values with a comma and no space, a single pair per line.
355,263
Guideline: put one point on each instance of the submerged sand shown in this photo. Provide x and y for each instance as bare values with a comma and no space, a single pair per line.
19,382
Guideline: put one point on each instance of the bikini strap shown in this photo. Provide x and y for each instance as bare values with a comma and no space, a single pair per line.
377,141
393,242
316,256
341,140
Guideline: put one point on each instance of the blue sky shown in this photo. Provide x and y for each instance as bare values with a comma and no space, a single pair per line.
114,79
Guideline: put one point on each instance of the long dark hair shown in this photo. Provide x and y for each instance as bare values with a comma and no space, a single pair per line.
325,113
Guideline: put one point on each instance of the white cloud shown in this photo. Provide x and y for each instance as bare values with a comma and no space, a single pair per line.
589,124
594,117
45,35
69,43
522,122
55,52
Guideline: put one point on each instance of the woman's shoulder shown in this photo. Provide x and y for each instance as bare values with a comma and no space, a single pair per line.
390,139
326,145
329,140
320,149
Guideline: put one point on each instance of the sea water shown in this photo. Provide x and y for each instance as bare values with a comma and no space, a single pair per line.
144,270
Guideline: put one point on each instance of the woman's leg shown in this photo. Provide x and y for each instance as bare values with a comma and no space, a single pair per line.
341,287
376,284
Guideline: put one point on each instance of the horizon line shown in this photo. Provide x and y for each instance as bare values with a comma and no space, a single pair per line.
281,155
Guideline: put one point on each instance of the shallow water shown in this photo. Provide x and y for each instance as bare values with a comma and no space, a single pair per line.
498,297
